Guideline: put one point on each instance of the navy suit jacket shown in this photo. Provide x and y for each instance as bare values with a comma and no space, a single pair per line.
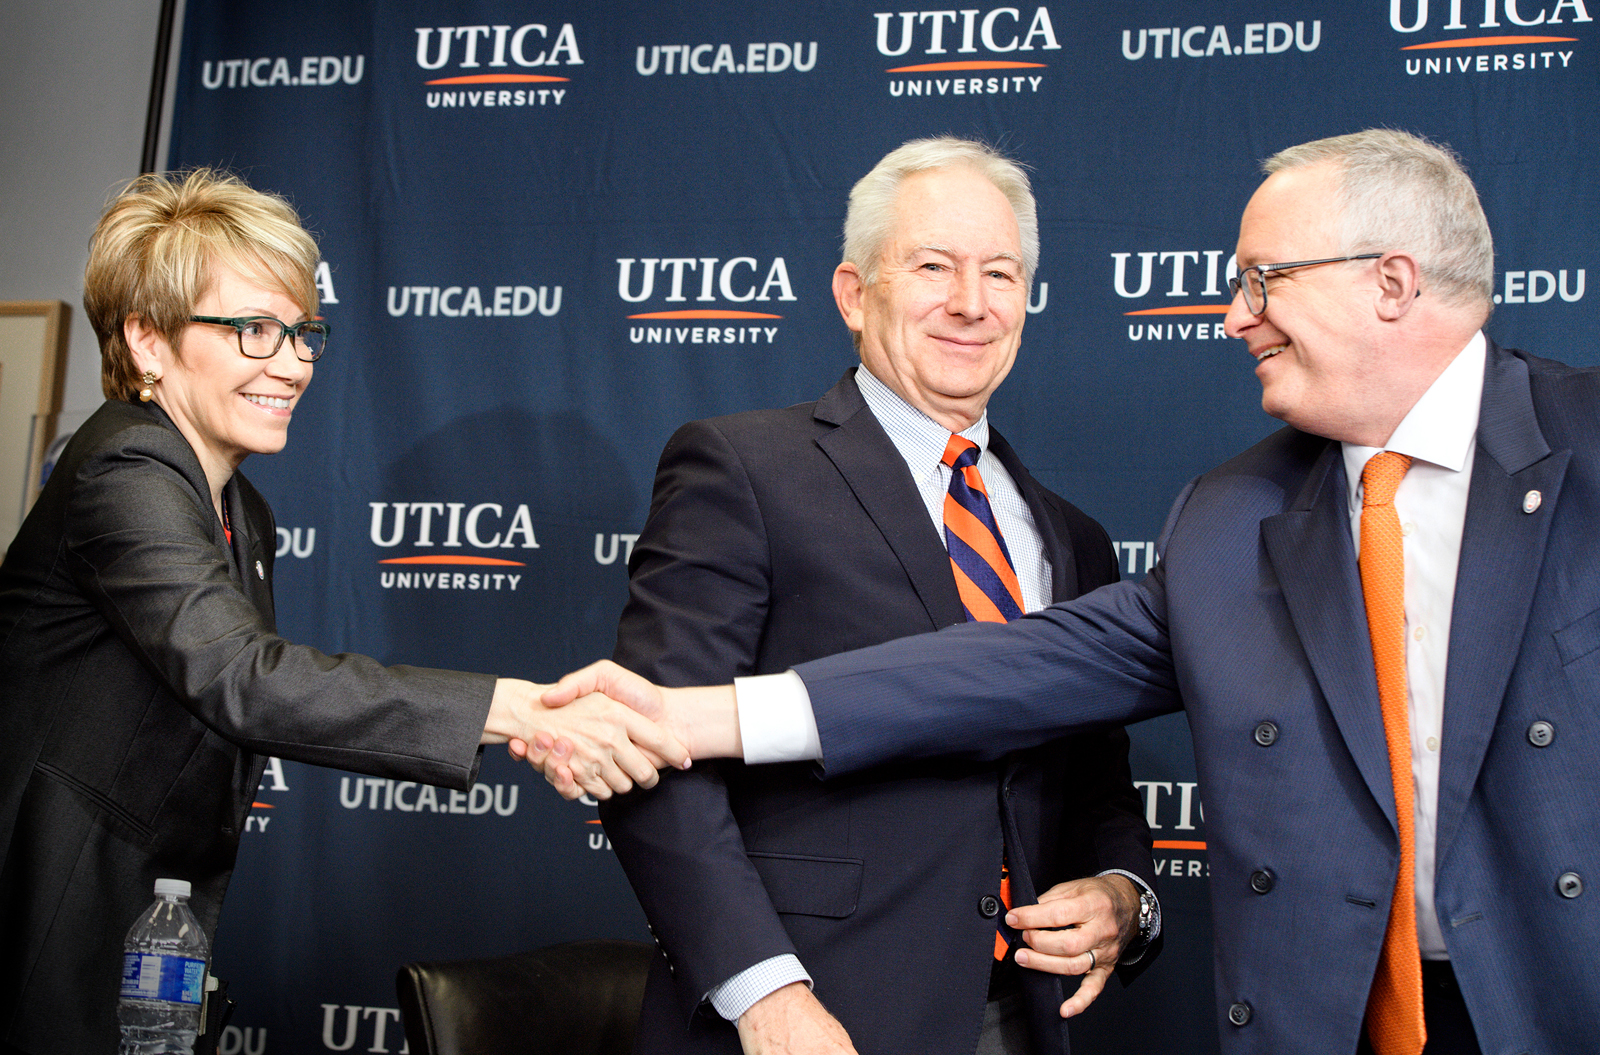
1254,615
779,536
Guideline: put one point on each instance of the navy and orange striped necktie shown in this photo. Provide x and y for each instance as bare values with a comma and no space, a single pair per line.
978,555
985,579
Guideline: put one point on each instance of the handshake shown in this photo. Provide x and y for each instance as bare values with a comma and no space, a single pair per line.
603,729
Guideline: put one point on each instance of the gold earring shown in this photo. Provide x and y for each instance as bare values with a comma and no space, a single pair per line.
146,394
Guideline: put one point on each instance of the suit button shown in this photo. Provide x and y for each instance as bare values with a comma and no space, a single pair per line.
1261,880
988,906
1541,734
1266,736
1239,1013
1569,884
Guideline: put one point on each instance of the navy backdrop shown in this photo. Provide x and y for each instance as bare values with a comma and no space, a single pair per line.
554,231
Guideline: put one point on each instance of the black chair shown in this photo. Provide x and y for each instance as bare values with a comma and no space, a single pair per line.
581,998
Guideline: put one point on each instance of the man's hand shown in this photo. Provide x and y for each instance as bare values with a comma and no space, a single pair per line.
705,719
620,683
1098,915
792,1021
595,745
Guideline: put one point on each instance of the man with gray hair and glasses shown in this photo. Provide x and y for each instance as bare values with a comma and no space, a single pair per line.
1383,622
887,507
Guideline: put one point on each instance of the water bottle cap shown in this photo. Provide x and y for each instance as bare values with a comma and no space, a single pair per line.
177,887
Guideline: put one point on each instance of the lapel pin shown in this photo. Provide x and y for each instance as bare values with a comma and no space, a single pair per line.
1531,500
261,573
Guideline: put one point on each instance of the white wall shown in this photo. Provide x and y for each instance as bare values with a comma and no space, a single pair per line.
74,85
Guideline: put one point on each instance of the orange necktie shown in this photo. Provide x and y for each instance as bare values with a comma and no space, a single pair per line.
1394,1008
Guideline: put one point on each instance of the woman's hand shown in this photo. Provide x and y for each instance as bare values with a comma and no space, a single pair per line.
706,718
592,745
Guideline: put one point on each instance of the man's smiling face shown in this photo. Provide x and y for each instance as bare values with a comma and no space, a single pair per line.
942,323
1312,356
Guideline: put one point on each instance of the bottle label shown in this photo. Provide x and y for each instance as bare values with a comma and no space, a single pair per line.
151,976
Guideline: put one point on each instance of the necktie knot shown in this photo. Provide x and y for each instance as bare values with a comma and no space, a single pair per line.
985,577
960,452
1381,477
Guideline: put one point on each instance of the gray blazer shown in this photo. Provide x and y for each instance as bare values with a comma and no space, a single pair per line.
142,687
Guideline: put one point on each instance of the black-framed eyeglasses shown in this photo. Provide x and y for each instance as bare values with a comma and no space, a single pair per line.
260,336
1252,281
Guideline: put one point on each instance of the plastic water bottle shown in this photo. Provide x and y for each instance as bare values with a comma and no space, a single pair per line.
163,976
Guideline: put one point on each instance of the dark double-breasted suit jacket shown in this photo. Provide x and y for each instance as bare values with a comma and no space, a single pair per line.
776,537
142,689
1253,623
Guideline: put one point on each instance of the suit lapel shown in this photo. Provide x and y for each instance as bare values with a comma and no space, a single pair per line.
254,536
252,527
189,466
1312,554
880,481
1047,518
1502,550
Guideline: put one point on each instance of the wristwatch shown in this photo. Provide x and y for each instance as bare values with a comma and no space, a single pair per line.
1149,916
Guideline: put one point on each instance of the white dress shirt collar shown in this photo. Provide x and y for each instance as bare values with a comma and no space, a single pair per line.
919,439
1443,425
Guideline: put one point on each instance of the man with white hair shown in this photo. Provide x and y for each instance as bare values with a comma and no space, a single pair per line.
780,536
1383,622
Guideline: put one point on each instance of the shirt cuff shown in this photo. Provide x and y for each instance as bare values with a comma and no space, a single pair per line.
741,992
776,723
1135,950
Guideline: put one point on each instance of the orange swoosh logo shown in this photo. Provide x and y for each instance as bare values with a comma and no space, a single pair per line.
454,559
942,67
1176,844
1485,42
1185,309
499,78
705,313
261,806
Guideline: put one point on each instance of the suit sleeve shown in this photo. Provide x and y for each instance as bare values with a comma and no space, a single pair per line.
697,605
979,690
140,547
982,689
